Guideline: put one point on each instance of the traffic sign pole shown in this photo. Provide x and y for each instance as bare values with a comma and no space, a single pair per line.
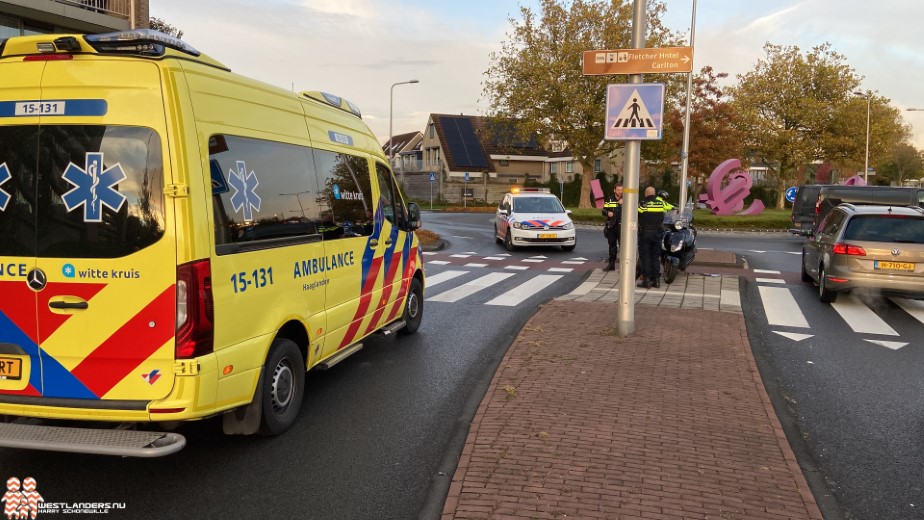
628,250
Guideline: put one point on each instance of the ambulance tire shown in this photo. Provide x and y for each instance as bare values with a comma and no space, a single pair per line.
283,387
413,308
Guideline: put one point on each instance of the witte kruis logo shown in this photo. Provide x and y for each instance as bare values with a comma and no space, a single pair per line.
21,499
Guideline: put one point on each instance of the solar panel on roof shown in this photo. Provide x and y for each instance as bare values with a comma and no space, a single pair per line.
463,143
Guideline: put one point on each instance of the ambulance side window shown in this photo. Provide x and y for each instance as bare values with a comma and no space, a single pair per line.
345,197
390,197
263,193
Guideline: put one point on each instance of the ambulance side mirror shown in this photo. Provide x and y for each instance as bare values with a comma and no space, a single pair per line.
413,214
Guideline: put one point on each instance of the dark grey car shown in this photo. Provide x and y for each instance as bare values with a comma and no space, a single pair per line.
877,248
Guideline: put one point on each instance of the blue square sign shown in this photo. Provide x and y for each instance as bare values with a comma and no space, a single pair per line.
634,111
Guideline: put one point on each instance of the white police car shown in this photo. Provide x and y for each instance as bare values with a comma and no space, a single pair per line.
533,217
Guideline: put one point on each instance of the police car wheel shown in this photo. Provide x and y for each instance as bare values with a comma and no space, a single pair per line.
283,386
568,248
497,237
508,242
413,308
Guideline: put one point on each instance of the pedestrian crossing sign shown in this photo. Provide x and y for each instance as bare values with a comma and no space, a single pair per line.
634,111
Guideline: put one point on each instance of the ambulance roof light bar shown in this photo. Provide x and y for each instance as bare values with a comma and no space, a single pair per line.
140,41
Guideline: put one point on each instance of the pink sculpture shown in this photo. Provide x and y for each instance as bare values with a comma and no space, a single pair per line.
730,199
856,180
598,193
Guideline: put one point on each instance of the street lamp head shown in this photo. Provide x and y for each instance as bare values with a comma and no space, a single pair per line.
414,81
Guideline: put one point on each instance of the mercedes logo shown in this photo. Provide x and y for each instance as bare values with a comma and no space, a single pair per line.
36,279
896,252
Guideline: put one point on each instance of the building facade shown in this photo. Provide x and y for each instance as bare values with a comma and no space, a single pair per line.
27,17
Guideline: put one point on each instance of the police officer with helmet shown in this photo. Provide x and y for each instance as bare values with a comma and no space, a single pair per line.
651,212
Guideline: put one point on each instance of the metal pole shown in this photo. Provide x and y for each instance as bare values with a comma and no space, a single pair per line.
866,162
628,250
391,146
685,156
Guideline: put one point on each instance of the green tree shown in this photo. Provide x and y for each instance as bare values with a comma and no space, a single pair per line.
714,134
784,106
536,79
164,27
907,163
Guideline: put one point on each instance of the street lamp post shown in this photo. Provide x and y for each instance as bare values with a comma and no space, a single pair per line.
685,156
391,146
869,96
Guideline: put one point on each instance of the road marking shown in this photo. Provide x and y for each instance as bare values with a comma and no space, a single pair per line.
466,238
572,262
469,288
793,336
517,267
443,277
861,318
781,307
894,345
437,262
581,258
476,265
430,253
560,270
770,280
766,271
460,256
520,293
493,258
532,260
913,307
540,256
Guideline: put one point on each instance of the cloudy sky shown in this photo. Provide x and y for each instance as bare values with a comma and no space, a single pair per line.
358,48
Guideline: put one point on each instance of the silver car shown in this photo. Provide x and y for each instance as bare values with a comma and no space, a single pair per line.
877,248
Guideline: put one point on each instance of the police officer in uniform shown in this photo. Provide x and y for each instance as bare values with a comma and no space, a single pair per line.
612,212
650,219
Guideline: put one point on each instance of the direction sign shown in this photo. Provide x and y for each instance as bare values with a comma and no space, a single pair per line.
432,177
638,61
634,111
791,194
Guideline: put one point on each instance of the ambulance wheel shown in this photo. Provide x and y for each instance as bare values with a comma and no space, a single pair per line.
283,386
413,308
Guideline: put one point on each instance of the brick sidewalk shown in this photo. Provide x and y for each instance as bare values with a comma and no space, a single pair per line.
672,422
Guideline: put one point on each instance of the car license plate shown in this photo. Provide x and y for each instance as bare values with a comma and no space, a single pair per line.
547,235
896,266
10,368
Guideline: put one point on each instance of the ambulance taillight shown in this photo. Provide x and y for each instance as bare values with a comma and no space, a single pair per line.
194,310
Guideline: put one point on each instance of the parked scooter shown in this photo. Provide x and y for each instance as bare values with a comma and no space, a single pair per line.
678,247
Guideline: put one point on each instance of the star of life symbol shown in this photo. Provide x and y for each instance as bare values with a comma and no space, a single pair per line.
94,187
245,197
21,498
5,175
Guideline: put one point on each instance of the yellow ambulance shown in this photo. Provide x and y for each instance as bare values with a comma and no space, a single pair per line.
179,242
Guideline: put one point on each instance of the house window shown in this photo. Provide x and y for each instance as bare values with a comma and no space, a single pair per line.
432,130
504,163
553,167
569,167
598,165
436,156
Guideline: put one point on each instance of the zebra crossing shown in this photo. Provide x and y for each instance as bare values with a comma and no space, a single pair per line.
782,310
508,262
466,275
469,282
